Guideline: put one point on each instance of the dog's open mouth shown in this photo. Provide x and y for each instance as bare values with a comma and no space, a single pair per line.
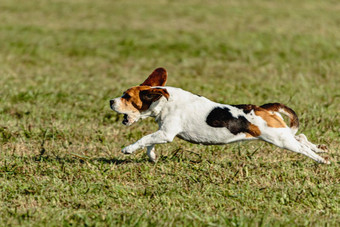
125,120
129,119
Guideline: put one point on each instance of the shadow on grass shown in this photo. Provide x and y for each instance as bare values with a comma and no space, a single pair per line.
115,161
77,159
177,155
174,157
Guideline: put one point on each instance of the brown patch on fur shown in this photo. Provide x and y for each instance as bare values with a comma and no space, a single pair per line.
140,98
254,131
272,120
134,102
249,135
157,78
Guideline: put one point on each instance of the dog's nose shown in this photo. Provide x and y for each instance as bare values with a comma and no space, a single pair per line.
112,102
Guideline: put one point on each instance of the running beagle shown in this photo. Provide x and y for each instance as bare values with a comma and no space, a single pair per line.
199,120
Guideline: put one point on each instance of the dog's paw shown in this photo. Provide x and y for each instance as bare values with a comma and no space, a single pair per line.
152,159
327,161
127,150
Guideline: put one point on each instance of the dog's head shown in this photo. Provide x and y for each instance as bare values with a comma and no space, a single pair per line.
139,101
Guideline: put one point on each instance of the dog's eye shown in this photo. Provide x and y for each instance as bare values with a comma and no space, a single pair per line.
126,96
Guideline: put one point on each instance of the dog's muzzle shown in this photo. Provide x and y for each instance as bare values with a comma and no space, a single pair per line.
128,120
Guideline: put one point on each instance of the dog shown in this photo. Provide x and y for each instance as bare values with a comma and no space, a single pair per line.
199,120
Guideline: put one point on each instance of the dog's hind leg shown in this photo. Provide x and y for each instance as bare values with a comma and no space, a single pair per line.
287,140
150,151
316,148
293,145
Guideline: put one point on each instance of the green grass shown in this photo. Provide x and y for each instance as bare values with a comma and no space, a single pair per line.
62,61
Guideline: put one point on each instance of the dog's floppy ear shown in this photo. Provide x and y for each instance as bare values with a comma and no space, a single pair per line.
153,94
157,78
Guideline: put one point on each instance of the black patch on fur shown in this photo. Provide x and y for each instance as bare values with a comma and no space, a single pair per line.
221,117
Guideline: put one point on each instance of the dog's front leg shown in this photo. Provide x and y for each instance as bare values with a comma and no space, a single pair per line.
147,141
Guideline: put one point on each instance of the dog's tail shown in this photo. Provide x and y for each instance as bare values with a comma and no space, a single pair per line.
278,107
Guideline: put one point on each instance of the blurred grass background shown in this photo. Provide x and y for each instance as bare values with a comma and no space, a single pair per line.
61,62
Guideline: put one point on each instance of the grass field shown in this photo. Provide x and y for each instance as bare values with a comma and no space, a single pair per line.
62,61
